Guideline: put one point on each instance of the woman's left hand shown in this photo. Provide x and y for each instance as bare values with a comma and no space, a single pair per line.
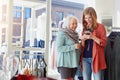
91,36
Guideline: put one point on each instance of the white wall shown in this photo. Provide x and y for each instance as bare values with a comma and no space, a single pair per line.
117,13
108,9
104,8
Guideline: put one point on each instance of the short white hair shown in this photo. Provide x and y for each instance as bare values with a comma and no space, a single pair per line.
67,21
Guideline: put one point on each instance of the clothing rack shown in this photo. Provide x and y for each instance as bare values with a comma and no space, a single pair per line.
112,55
113,30
33,64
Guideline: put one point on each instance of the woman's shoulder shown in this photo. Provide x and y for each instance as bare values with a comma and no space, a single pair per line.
61,33
100,24
100,28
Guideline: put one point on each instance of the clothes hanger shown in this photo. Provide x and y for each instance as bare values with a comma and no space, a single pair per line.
115,31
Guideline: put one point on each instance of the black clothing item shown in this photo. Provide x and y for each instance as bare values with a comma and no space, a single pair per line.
80,78
112,55
14,78
88,48
67,72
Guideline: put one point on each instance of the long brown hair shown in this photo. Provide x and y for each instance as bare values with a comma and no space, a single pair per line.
89,11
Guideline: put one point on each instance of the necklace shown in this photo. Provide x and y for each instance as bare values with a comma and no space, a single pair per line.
88,47
88,31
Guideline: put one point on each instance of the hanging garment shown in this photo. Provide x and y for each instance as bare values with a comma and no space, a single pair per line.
41,43
53,57
1,62
112,54
41,26
40,68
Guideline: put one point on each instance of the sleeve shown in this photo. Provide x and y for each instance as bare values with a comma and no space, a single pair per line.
103,36
61,43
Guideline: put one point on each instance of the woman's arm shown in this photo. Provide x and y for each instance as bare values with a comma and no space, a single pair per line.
101,38
61,43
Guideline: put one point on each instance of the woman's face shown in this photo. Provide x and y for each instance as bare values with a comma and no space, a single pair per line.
88,19
73,24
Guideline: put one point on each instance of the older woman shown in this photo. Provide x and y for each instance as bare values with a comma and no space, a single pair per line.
68,49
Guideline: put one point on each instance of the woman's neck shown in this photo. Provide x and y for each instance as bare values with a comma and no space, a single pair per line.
89,26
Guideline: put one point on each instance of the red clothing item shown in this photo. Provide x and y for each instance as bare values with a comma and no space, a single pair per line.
98,57
25,77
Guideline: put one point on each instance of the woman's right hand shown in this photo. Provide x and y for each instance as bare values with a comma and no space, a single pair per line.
85,36
77,45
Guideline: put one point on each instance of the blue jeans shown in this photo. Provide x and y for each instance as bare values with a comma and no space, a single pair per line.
88,70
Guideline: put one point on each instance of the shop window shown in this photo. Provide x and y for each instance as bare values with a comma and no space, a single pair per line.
18,13
27,13
70,14
59,16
